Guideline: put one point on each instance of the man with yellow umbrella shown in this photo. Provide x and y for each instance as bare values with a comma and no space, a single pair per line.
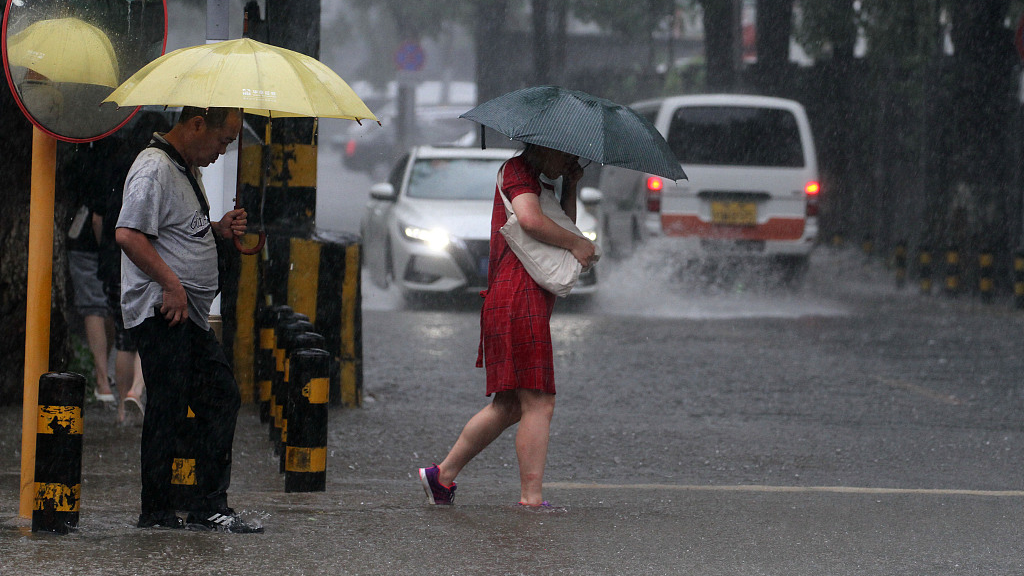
169,279
167,305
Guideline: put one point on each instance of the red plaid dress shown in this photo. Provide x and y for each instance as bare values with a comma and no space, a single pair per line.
515,332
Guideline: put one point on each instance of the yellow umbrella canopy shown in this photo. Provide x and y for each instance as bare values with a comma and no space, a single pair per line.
263,79
65,50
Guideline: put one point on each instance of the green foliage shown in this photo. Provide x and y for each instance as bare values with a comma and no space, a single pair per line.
908,31
636,19
689,78
420,18
81,362
824,27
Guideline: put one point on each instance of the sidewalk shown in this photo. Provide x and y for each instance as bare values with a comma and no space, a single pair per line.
366,523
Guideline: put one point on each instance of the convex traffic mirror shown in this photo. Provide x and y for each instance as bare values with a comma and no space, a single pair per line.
62,58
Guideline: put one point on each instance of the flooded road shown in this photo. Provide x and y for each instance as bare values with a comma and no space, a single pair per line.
702,428
846,428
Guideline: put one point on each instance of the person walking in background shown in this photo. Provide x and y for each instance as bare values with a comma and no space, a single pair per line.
169,278
85,175
127,365
515,343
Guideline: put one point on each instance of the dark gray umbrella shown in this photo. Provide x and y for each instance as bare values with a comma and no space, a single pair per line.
580,124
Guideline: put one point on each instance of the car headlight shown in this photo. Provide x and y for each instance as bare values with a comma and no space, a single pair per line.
436,238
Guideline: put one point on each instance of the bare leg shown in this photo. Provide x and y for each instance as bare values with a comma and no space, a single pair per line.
482,429
96,336
128,368
138,383
532,442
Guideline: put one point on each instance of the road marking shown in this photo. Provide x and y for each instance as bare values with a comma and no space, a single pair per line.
922,391
789,489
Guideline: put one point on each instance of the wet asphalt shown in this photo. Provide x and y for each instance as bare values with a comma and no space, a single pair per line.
848,429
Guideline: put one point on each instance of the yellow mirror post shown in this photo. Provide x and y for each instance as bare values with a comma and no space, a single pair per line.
37,313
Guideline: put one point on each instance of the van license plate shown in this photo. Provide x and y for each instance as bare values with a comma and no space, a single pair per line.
728,213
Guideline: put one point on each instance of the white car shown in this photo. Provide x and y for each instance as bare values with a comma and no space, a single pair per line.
427,229
753,180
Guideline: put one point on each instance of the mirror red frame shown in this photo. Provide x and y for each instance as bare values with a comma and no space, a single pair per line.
18,98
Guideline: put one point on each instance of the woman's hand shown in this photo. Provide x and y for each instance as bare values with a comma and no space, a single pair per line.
584,251
573,174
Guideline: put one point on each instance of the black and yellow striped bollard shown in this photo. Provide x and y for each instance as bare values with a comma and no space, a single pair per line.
279,389
1018,279
899,261
277,375
324,281
265,361
183,468
306,460
867,246
952,271
58,465
924,270
986,279
294,342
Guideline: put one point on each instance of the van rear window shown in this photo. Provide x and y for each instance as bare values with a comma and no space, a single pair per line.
735,136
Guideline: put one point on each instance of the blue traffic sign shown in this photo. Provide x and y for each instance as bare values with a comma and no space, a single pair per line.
410,56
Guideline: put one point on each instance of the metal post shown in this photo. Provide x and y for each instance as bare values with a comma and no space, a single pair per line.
37,305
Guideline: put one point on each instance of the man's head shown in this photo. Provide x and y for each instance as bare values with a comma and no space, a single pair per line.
203,134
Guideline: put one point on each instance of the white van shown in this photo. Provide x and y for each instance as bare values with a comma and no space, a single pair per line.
753,180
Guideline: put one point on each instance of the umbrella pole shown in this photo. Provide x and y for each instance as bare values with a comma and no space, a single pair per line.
37,305
238,202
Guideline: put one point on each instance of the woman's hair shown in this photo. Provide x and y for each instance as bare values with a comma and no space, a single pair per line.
215,117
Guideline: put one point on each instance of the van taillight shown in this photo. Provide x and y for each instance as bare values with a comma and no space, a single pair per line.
654,187
350,147
811,189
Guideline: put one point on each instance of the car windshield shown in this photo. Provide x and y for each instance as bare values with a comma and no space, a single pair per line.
736,136
454,178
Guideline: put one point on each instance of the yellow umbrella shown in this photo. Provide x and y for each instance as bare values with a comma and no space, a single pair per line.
65,50
262,79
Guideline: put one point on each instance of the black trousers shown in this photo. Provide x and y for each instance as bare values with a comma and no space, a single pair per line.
185,367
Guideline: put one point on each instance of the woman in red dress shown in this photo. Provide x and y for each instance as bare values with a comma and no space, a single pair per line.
515,329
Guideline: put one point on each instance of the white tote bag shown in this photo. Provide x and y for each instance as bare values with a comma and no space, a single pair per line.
553,267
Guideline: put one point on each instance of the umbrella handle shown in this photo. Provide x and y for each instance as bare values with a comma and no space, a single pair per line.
255,249
238,194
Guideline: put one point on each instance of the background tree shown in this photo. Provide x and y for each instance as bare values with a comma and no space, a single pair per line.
774,26
721,44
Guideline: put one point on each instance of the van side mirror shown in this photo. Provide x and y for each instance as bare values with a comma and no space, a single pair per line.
383,191
590,196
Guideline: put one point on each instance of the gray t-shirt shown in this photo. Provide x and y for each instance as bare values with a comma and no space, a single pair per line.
160,203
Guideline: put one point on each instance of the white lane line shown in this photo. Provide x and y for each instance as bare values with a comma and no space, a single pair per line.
922,391
791,489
